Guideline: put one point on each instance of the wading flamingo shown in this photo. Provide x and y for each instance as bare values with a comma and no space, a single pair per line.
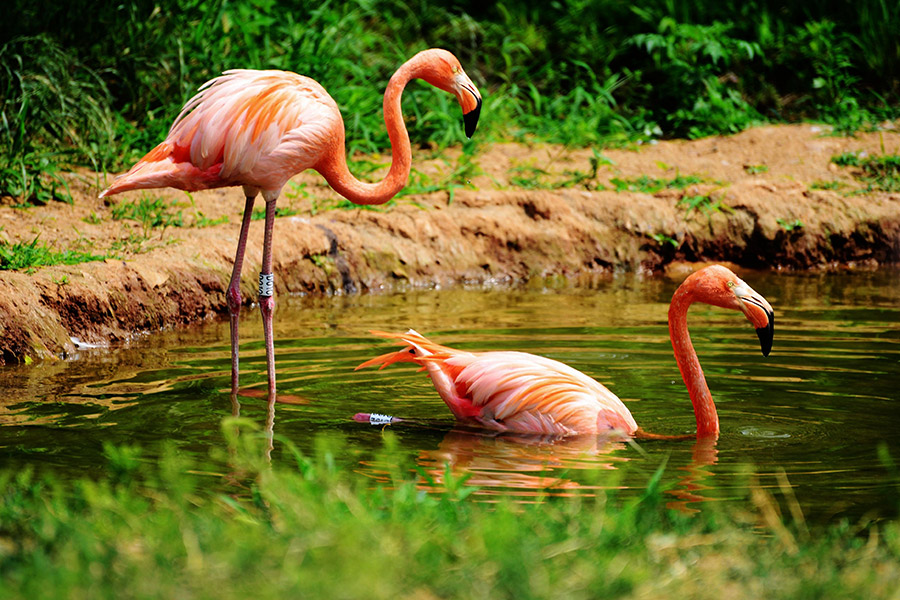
257,129
524,393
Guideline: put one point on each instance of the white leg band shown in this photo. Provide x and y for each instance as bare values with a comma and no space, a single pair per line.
266,284
378,419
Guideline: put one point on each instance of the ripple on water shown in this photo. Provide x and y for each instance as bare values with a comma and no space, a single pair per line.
764,433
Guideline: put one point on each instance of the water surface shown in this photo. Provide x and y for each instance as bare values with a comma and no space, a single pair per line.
808,420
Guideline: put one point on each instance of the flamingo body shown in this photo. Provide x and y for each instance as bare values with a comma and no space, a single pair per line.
524,393
246,127
513,391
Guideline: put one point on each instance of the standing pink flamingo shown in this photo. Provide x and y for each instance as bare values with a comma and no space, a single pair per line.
524,393
257,129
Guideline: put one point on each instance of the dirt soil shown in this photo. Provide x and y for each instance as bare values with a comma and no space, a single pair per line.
776,200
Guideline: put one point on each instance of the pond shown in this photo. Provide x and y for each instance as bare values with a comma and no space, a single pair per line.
809,421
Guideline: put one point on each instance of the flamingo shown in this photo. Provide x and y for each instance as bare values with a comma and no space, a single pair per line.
523,393
257,129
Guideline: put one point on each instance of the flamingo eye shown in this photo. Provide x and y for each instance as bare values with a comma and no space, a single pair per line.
731,284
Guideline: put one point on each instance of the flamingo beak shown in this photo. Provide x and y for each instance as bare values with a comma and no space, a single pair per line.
759,312
470,101
766,335
470,119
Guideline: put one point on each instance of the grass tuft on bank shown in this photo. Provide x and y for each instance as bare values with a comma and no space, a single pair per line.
28,255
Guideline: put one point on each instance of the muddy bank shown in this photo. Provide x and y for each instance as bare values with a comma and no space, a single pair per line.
767,198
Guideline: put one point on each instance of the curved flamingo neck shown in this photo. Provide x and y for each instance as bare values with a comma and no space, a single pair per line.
689,364
334,167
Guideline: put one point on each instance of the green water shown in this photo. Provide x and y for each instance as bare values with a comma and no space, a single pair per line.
808,420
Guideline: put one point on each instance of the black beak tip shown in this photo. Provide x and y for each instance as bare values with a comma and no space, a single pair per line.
471,119
766,335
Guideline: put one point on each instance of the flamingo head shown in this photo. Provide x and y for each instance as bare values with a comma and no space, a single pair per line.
441,69
719,286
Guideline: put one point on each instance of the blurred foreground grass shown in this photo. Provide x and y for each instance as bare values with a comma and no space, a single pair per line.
309,530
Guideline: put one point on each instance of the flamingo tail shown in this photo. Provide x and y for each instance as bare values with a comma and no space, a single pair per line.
165,166
416,349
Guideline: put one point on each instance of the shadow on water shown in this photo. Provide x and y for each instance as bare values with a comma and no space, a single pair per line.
807,422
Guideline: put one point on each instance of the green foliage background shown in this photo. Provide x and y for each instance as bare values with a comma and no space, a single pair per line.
99,83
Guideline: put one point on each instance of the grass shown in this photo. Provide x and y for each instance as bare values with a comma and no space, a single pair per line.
460,173
531,177
201,220
650,185
29,255
662,239
879,173
280,211
826,185
152,212
705,203
789,225
33,178
54,110
303,527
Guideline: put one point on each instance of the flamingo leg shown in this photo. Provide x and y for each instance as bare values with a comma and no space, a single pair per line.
267,295
233,294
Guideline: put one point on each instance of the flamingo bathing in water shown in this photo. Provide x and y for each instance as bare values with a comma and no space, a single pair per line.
524,393
257,129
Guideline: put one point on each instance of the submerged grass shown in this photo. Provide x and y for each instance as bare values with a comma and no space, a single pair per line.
306,528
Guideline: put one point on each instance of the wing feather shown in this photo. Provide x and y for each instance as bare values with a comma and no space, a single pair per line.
513,390
244,118
532,390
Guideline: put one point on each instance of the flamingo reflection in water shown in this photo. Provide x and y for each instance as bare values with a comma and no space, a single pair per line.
527,466
258,393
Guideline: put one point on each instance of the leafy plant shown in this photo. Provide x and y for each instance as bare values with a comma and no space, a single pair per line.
688,75
756,169
828,52
789,224
321,260
344,204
